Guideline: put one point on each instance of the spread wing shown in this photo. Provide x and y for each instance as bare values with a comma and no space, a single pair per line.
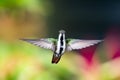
74,44
48,43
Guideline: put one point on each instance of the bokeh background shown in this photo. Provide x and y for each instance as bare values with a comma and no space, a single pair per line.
82,19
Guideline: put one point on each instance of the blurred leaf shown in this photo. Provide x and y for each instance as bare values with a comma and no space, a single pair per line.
43,7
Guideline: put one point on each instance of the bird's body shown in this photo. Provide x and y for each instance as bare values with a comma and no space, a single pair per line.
60,45
60,48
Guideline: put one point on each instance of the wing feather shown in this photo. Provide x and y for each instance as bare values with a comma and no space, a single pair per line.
47,43
74,44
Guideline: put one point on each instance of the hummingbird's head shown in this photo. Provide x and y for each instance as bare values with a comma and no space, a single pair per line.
62,31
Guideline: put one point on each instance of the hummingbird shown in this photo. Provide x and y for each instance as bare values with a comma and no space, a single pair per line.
60,45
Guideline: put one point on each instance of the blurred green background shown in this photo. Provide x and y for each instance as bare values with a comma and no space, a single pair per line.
44,18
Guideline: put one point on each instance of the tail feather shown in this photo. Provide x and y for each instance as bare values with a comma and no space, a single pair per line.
55,59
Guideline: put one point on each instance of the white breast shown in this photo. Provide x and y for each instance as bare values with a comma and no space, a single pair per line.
61,44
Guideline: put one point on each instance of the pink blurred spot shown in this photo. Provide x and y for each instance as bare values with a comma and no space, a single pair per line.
112,43
88,53
116,55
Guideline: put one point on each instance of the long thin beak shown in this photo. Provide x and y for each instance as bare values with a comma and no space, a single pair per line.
55,59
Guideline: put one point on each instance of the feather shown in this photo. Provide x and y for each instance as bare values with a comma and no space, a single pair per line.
47,43
74,44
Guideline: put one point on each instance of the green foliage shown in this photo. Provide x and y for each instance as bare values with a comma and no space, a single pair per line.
40,6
